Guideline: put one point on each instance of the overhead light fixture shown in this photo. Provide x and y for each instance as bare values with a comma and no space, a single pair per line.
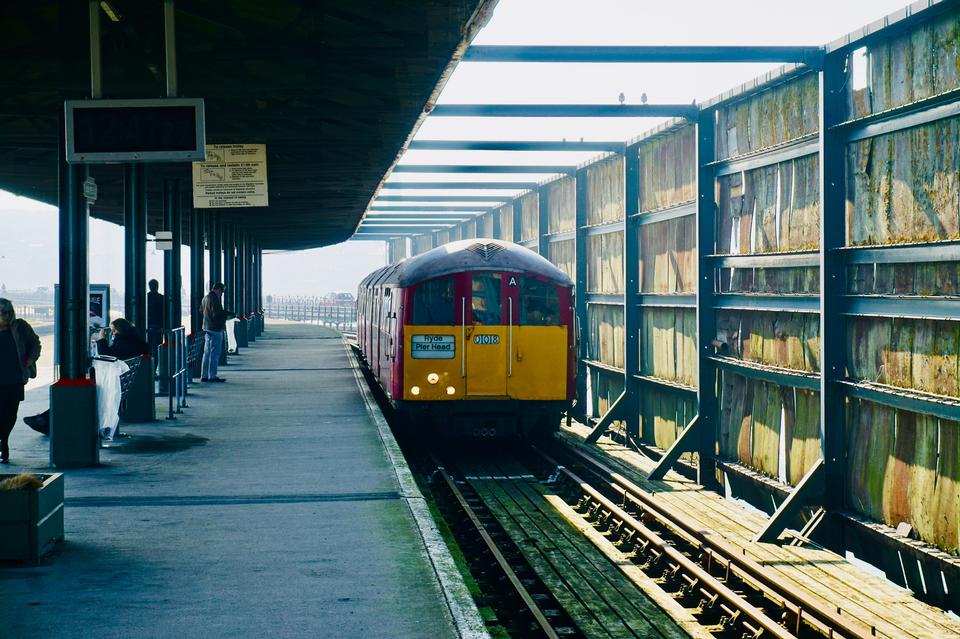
108,9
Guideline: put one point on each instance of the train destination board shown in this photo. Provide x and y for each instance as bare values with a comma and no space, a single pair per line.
233,175
111,131
433,347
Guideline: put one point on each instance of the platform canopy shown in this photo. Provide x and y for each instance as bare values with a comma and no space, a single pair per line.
334,89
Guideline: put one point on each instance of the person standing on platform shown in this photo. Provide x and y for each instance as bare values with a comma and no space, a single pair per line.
214,323
154,319
19,352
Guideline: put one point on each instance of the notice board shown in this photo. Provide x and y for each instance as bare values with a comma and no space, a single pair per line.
233,175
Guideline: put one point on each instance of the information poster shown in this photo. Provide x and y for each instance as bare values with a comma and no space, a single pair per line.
233,176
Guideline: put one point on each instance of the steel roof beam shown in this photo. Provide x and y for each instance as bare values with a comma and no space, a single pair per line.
811,56
484,168
514,145
460,185
409,197
427,207
565,110
417,218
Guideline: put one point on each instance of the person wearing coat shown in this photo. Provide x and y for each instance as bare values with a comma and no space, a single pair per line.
19,352
127,342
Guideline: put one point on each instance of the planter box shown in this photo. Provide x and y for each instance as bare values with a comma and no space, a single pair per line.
31,521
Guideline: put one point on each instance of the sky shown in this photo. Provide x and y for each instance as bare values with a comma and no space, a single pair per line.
28,256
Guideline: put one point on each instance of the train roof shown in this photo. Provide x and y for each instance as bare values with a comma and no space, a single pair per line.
481,254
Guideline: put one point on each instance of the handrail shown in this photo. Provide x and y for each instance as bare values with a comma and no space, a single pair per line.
177,359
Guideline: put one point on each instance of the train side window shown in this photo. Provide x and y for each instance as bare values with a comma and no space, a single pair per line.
487,295
539,303
433,302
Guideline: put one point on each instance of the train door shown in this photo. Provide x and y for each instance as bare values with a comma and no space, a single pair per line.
485,336
539,343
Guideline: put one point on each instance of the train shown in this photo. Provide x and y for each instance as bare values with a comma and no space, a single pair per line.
473,338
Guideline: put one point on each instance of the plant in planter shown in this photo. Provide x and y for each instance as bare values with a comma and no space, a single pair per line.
31,515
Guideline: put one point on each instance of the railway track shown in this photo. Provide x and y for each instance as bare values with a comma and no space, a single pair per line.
515,517
698,569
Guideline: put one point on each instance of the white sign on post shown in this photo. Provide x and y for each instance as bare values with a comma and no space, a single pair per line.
233,175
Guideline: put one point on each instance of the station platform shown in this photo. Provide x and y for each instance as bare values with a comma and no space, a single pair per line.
276,505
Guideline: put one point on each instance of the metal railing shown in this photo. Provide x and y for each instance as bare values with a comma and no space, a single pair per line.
177,370
338,314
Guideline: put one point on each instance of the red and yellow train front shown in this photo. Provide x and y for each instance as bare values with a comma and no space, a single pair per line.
488,335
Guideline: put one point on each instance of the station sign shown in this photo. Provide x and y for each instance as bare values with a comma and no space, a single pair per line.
163,240
113,131
232,176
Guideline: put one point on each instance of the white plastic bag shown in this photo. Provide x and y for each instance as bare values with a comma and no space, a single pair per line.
109,395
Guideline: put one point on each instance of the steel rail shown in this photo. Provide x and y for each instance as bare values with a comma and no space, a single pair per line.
696,576
502,562
803,608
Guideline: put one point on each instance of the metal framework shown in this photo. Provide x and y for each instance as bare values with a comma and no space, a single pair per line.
824,484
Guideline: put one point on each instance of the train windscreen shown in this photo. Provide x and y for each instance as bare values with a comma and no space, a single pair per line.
539,303
487,299
433,302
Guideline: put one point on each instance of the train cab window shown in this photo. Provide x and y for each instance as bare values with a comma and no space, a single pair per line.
487,296
539,303
433,302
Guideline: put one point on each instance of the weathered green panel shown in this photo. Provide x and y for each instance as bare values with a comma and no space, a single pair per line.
667,175
605,263
785,340
662,417
668,347
529,216
769,118
605,337
561,204
668,256
802,430
562,255
605,191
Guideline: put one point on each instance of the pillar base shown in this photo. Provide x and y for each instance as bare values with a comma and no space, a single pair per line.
74,441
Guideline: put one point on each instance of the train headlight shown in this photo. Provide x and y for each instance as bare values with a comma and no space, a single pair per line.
451,390
433,378
415,390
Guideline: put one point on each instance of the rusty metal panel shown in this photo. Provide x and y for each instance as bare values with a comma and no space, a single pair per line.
607,387
905,186
506,221
668,348
667,176
904,468
663,416
562,255
605,263
785,340
769,118
529,216
605,191
605,334
561,204
919,64
668,256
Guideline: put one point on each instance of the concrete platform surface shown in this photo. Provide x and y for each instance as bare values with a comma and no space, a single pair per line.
270,508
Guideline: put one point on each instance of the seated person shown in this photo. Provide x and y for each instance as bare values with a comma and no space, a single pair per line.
127,342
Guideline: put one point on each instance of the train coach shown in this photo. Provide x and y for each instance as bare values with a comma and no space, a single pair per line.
475,337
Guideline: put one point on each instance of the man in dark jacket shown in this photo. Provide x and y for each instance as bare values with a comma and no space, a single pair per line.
214,323
154,318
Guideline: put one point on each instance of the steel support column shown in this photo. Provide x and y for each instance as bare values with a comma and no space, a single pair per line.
214,243
631,314
251,289
135,245
171,259
517,221
197,279
73,408
497,231
229,277
708,415
580,290
240,273
543,223
832,337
